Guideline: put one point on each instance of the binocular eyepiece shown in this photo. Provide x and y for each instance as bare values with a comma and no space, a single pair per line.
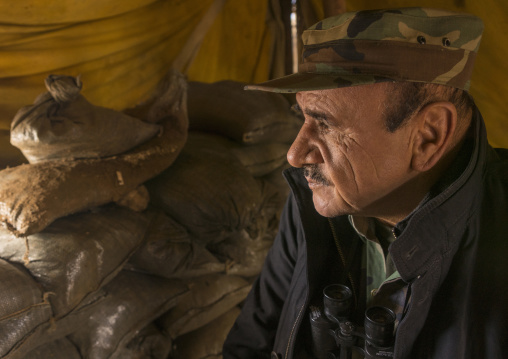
334,336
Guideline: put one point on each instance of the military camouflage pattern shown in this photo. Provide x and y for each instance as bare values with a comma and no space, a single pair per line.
365,47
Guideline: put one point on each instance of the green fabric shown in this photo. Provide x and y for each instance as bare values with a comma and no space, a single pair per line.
374,262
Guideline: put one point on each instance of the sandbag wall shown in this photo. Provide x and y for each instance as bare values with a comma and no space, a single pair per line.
147,253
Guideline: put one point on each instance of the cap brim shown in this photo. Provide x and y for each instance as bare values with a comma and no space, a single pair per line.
316,81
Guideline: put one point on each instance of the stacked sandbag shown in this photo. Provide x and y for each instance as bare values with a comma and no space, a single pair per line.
141,253
248,117
73,217
218,207
34,195
23,307
62,124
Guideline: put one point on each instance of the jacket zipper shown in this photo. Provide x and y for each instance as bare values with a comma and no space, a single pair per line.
343,259
293,330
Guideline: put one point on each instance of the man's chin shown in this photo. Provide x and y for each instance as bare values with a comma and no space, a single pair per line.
327,207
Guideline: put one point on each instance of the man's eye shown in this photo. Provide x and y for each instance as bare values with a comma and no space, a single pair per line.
296,109
323,125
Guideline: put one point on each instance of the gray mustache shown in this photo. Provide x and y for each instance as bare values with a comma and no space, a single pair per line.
314,173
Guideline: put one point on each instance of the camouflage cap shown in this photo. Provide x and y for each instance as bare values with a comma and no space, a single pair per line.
365,47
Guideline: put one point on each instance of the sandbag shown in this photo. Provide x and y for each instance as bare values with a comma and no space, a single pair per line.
78,254
258,159
168,251
58,349
62,124
23,306
206,342
210,193
149,343
249,117
209,297
56,329
133,300
244,256
262,159
33,196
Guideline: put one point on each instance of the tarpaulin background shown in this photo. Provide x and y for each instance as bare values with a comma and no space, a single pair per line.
122,48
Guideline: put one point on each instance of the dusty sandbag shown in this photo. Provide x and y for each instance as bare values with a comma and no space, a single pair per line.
169,251
244,256
137,199
56,329
58,349
210,193
133,300
263,158
249,117
209,297
206,342
78,254
32,196
62,124
23,306
258,159
149,343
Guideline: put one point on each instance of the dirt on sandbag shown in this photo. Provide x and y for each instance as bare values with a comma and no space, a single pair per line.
262,159
249,117
209,297
244,256
58,349
132,301
210,193
207,341
62,124
23,306
149,343
77,255
34,195
168,251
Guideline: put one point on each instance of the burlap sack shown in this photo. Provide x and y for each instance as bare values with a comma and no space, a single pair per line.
133,300
262,159
52,331
206,342
211,193
244,256
33,196
249,117
209,297
78,254
149,343
168,251
23,306
58,349
259,159
62,124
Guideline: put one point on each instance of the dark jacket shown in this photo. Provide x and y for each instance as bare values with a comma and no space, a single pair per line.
452,251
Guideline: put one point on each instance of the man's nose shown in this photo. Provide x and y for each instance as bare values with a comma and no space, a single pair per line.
304,150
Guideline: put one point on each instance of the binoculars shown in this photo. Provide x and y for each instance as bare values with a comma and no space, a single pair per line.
335,337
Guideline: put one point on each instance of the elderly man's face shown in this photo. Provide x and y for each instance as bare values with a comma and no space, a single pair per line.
352,162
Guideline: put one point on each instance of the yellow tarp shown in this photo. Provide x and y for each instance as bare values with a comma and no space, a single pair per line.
122,48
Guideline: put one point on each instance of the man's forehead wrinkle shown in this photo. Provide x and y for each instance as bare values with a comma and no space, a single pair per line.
334,101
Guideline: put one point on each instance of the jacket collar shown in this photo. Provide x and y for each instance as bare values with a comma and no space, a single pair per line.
434,228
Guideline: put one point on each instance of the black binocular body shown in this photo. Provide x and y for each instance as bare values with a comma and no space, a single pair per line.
334,336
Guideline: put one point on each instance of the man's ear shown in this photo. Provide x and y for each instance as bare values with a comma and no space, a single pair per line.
436,123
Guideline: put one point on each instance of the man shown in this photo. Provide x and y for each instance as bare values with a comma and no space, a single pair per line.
395,194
